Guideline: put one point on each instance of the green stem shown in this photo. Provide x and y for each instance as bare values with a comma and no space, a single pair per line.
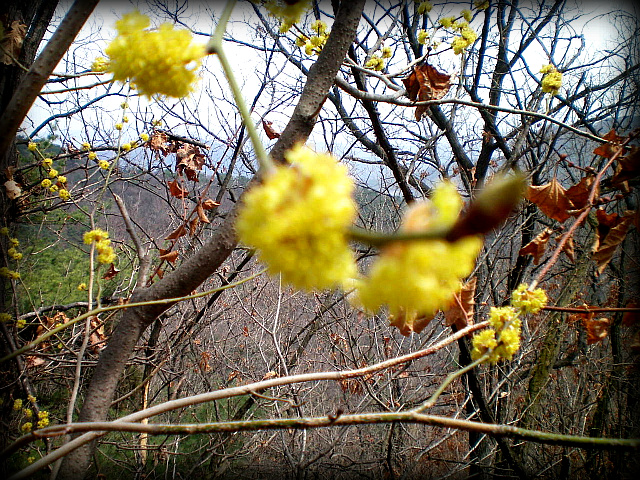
215,47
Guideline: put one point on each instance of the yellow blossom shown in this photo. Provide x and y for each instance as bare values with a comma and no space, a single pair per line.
82,287
17,404
423,36
416,278
466,14
31,399
86,145
53,173
552,80
92,155
21,322
157,62
64,194
27,412
447,22
375,63
32,146
126,147
483,341
124,105
4,231
61,179
386,52
118,126
5,317
46,183
53,188
319,27
481,4
424,7
104,164
125,119
297,219
528,301
144,137
26,427
100,64
95,235
289,12
47,162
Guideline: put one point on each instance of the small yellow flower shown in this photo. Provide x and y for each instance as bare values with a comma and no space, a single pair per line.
125,119
424,8
118,126
86,145
5,317
4,231
14,242
46,183
53,188
61,179
21,322
126,147
144,137
95,235
386,52
483,341
47,162
100,65
27,412
104,164
17,404
481,4
32,146
31,459
423,36
124,105
53,173
318,27
297,219
552,80
375,63
82,287
528,301
64,194
26,427
466,14
92,155
447,22
288,11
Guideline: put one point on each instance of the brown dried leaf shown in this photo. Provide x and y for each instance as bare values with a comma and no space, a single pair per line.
460,313
611,231
631,318
175,190
169,256
609,149
201,214
410,322
159,141
209,204
181,231
11,43
537,246
111,272
551,200
189,161
578,194
268,129
193,225
568,248
627,168
424,83
597,328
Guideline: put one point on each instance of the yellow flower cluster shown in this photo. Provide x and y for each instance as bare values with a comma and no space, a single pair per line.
5,317
7,273
481,4
98,236
100,65
297,219
157,62
26,427
43,418
313,45
528,301
288,11
502,340
104,164
417,278
466,38
376,62
552,80
423,36
424,7
17,404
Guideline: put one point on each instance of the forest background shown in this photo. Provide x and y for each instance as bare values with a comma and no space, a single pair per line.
245,376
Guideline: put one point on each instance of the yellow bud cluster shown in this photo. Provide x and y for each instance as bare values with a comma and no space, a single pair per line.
157,62
297,219
424,8
7,273
423,36
528,301
375,63
289,12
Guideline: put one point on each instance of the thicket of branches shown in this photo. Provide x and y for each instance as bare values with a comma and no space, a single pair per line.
180,356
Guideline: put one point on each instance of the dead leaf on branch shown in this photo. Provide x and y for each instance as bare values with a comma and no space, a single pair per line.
578,194
609,149
537,246
209,204
181,231
410,322
159,141
568,248
111,272
597,328
201,214
460,313
551,199
627,168
169,256
175,190
268,129
193,226
11,43
424,83
189,161
611,231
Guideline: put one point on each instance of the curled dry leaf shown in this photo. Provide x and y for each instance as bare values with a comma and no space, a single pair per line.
175,190
460,313
193,225
424,83
268,129
611,231
627,168
159,141
597,328
181,231
578,194
13,189
111,272
189,161
11,43
169,256
209,204
551,199
537,246
201,214
568,248
631,318
410,322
